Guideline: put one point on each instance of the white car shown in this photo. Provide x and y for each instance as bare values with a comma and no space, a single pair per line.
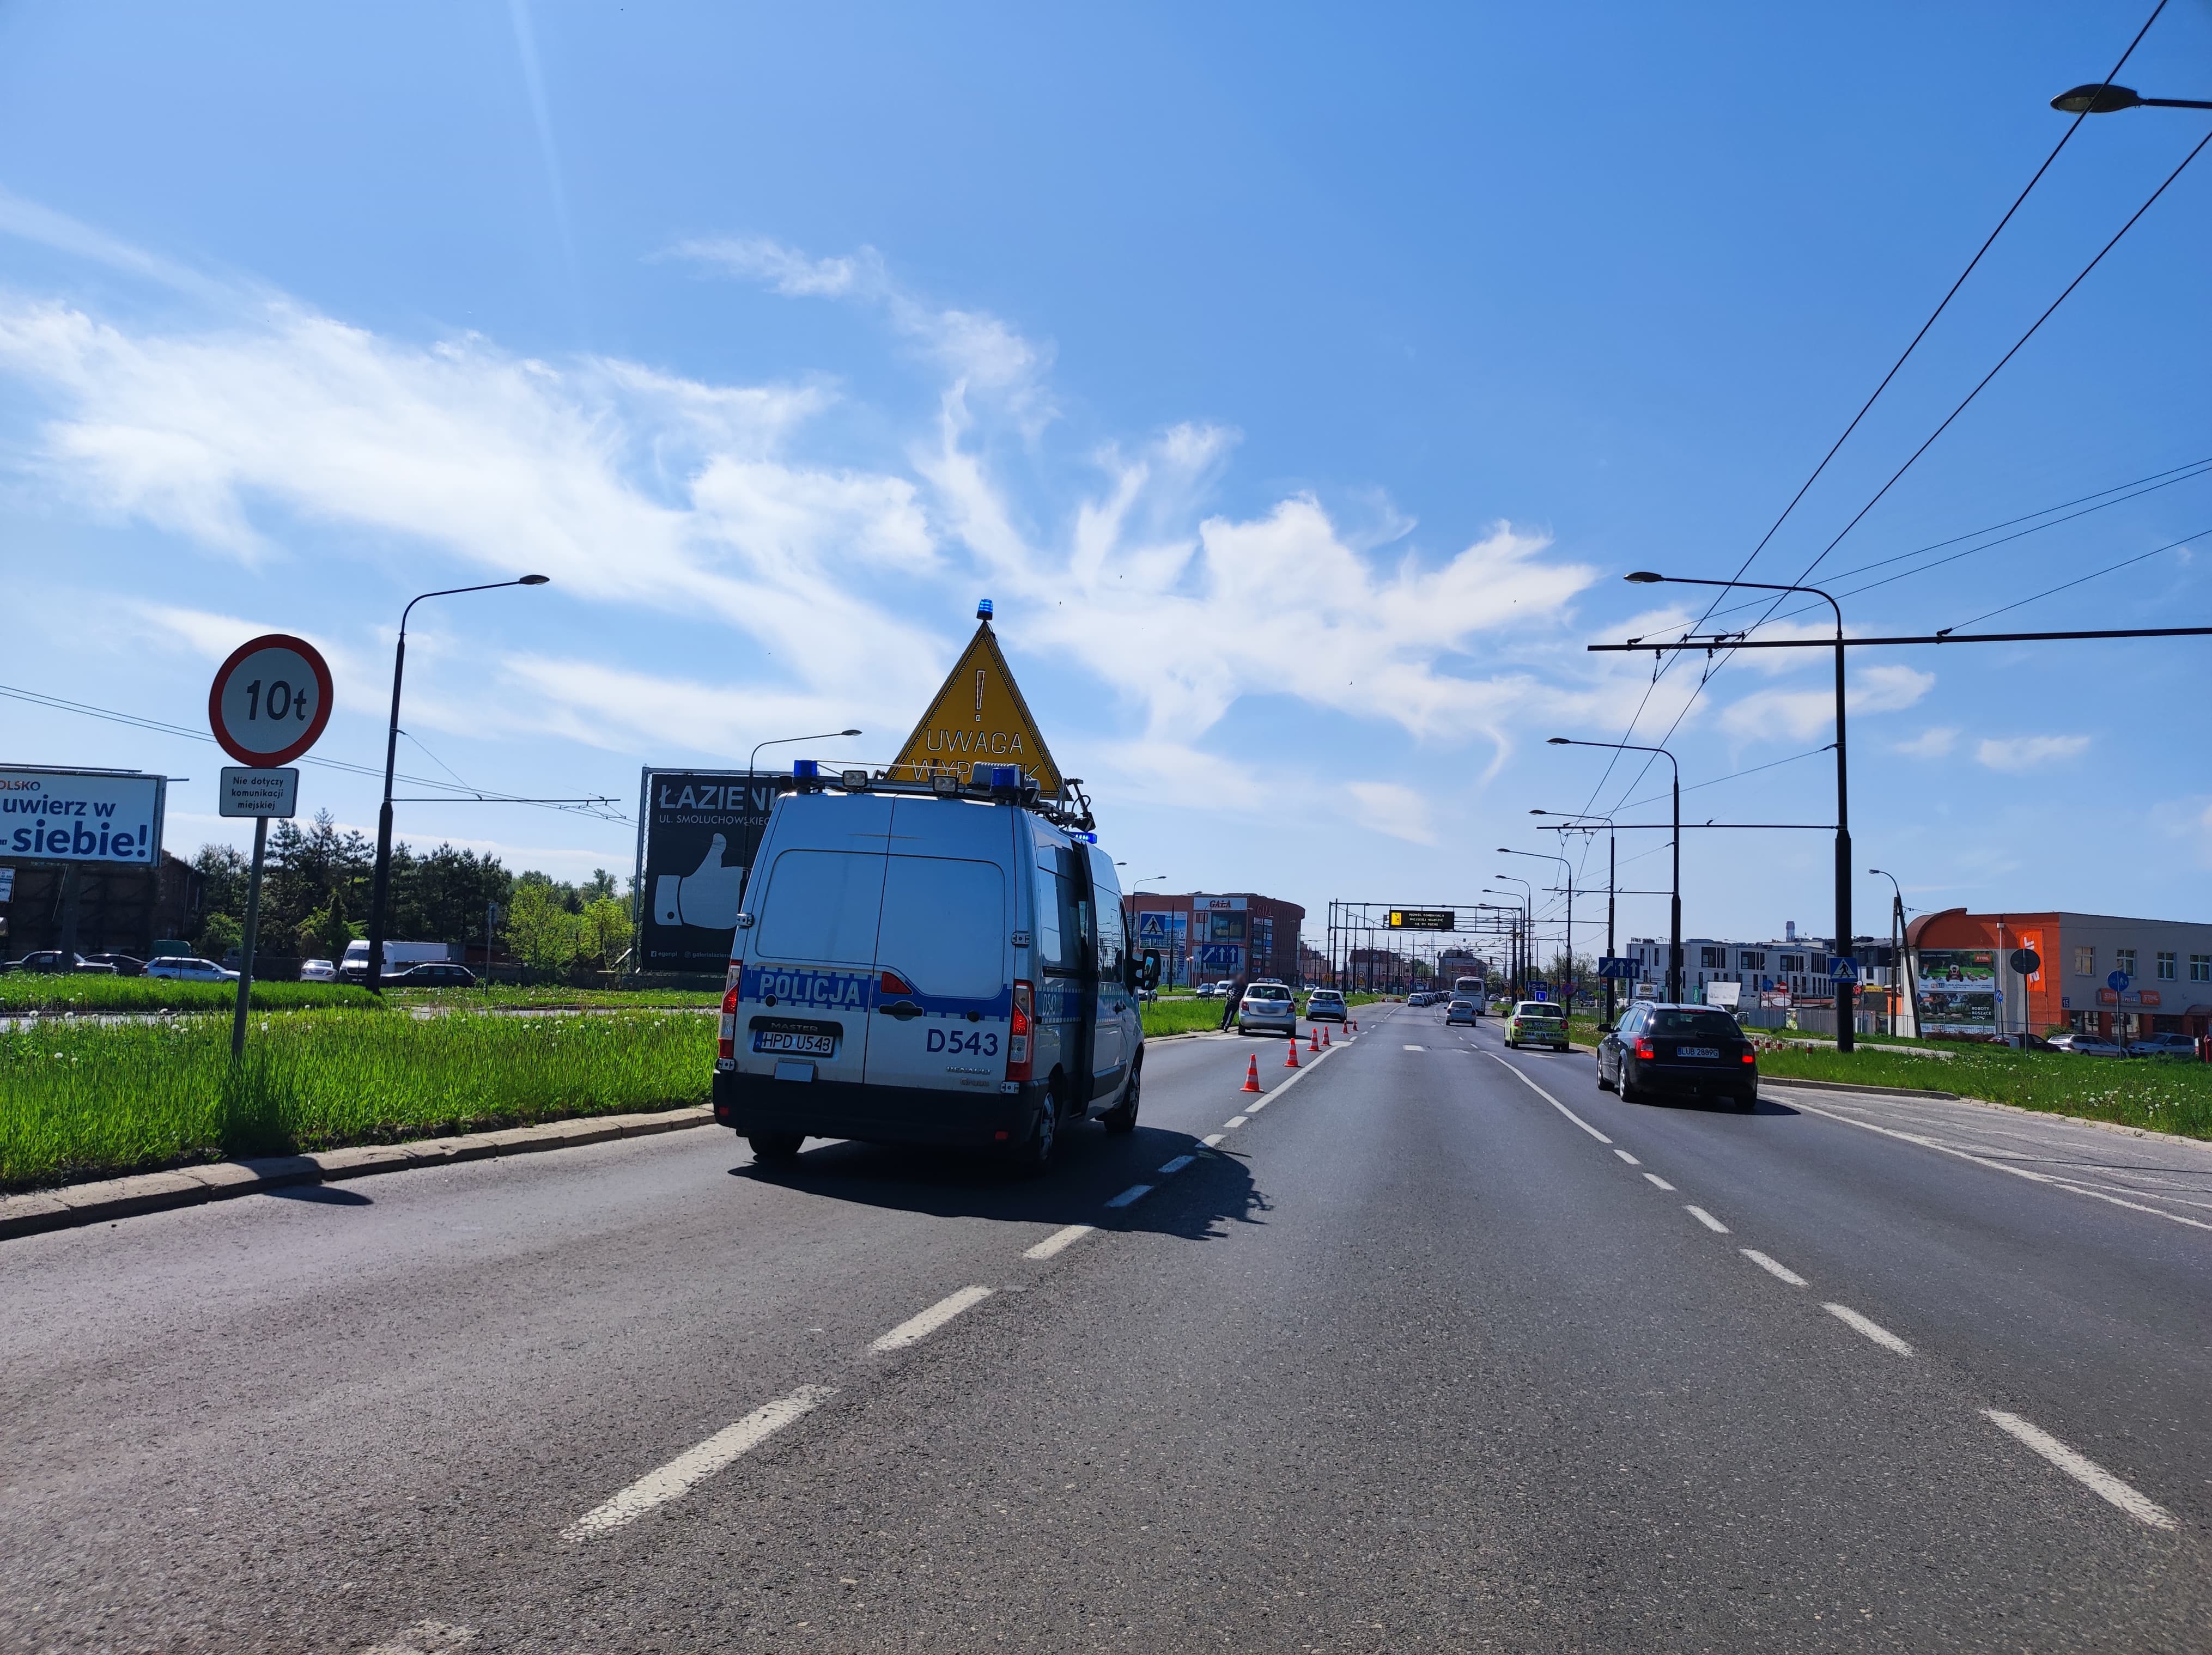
184,969
318,970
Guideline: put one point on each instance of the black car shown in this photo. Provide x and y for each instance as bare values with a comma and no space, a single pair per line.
432,973
1678,1052
54,960
124,965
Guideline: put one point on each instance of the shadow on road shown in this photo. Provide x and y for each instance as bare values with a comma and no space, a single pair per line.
1196,1205
322,1195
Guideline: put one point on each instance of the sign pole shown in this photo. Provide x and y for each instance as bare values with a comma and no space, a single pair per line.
253,931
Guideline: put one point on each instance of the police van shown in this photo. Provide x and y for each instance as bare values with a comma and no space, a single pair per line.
940,961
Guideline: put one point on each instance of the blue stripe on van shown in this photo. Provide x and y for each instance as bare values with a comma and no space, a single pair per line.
858,991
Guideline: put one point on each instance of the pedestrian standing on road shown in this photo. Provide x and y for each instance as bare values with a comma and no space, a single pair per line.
1236,999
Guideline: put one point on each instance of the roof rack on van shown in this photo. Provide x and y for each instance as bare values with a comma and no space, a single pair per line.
998,783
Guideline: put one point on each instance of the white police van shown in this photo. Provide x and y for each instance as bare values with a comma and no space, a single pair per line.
928,962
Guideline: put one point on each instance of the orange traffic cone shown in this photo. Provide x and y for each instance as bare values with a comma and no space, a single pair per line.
1252,1074
1290,1058
1313,1039
1355,1025
1324,1034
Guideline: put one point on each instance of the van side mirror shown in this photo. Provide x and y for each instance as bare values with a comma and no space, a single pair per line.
1149,978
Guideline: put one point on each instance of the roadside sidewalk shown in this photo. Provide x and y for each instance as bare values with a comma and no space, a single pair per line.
76,1204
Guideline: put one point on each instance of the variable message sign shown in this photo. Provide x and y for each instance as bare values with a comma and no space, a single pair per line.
1436,919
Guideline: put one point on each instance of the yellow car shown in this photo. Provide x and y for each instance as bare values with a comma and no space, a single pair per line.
1536,1023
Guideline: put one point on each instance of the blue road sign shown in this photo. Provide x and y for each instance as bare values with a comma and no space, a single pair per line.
1609,965
2117,982
1843,968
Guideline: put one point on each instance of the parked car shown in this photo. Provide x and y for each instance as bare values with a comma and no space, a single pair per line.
1268,1008
2162,1045
1464,1011
1536,1023
123,965
2020,1040
1325,1005
2089,1046
1678,1051
52,959
1212,991
318,970
913,968
187,969
431,973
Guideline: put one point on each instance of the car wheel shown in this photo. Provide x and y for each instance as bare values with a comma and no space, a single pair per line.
1627,1090
1603,1084
1034,1159
1748,1104
1122,1118
776,1146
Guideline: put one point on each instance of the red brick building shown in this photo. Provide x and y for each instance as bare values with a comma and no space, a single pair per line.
1204,938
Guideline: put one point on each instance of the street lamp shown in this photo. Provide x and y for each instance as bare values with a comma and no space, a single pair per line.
1579,824
1527,923
380,890
1512,928
1846,987
2104,99
1897,955
786,741
1542,857
1674,934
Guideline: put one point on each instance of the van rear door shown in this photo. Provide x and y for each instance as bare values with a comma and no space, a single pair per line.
944,957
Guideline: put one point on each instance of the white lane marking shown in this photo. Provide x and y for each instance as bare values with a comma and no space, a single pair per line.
1873,1329
1796,1102
1134,1192
1234,1122
1177,1164
1254,1108
1212,1138
1661,1182
1627,1157
1417,1048
1548,1098
2083,1469
1707,1220
1058,1241
1780,1272
426,1638
920,1327
695,1465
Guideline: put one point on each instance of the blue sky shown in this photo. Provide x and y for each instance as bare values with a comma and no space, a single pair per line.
1299,382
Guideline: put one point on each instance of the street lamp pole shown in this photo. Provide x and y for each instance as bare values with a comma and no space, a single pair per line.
1846,987
380,888
1580,825
1540,857
786,741
1527,925
1899,982
1674,934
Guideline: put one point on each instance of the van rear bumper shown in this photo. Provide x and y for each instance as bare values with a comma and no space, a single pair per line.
875,1114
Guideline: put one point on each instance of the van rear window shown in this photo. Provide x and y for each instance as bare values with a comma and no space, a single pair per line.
945,926
823,905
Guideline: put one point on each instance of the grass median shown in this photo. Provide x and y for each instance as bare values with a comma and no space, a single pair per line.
23,993
91,1101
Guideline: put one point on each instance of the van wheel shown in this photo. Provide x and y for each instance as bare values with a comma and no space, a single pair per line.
1122,1118
776,1146
1034,1159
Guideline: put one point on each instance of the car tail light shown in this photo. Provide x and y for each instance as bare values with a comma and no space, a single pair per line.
1019,1052
1643,1049
1751,1057
726,1047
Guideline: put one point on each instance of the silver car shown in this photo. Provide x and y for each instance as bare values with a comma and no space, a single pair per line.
1268,1008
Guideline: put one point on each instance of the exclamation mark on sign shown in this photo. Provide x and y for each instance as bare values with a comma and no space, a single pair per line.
979,694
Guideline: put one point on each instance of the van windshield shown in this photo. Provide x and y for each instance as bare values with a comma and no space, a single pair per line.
822,905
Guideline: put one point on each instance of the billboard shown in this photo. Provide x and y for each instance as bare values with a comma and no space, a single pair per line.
697,830
82,815
1957,990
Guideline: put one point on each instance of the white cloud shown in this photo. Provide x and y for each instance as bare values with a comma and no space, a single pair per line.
1802,713
1933,743
2020,752
1386,807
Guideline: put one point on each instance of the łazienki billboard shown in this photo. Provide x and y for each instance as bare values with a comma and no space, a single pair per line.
82,815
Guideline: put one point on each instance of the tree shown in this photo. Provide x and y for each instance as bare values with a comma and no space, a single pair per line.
540,931
220,933
606,932
307,866
224,873
325,932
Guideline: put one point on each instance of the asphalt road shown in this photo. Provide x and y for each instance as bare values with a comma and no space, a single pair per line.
1422,1355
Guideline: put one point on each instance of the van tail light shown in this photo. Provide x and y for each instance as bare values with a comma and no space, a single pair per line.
1019,1053
1643,1049
726,1048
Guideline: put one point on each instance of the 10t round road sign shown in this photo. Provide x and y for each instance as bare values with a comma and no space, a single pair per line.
270,699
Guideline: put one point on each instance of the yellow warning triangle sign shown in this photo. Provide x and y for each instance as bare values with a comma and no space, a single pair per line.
978,717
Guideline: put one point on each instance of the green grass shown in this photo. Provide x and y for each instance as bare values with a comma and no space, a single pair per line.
553,996
93,1102
2164,1095
25,992
1181,1016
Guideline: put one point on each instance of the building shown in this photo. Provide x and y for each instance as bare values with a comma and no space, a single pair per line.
1204,939
1789,974
2095,973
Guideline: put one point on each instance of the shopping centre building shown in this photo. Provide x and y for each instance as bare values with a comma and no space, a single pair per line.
1204,939
2095,973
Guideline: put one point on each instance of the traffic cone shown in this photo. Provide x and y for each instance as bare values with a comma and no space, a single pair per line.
1324,1035
1355,1025
1252,1074
1312,1038
1290,1058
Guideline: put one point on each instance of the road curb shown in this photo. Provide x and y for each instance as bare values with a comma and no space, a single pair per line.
101,1202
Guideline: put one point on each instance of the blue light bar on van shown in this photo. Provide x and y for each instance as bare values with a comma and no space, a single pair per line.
1006,775
804,767
983,609
1088,839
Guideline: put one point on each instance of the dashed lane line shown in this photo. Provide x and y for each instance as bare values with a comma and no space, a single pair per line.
1660,1183
1176,1164
1417,1048
1059,1241
1234,1122
1780,1272
1135,1192
1707,1220
1796,1102
696,1465
2083,1469
917,1328
1866,1324
1212,1140
1548,1098
1627,1157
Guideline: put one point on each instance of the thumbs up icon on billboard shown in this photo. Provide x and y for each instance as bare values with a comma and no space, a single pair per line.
707,896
